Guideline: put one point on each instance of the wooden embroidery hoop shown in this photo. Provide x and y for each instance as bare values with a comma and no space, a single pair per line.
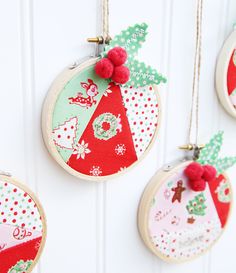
221,73
17,183
161,176
47,115
144,208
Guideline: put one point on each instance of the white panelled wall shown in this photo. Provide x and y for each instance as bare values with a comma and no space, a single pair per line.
92,227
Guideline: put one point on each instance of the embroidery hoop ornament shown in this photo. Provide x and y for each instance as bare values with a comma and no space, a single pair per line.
164,239
222,71
76,69
7,177
159,180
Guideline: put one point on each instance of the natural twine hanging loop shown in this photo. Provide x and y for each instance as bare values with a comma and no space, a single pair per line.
194,114
105,20
105,37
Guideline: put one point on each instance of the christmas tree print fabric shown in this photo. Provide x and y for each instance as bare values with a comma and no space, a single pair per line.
21,229
183,223
231,78
99,128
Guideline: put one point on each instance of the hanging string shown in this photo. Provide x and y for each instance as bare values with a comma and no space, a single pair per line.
105,20
105,37
194,113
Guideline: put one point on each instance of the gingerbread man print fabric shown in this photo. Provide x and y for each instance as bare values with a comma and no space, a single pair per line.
177,214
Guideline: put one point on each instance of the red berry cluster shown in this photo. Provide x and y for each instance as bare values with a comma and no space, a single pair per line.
198,175
113,66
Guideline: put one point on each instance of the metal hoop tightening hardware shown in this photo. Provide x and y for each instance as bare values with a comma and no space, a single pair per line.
193,147
99,40
5,173
105,37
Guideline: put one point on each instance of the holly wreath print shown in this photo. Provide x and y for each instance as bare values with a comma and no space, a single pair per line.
189,210
107,115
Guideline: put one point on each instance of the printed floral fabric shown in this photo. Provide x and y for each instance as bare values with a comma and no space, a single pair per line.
103,137
106,146
21,266
183,223
19,258
74,108
12,236
100,128
20,229
221,194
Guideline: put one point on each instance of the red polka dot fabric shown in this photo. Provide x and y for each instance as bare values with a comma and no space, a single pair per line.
100,128
21,229
142,111
18,208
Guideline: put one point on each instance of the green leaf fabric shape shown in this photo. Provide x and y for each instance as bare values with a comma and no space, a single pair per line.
223,164
210,152
209,155
142,75
131,39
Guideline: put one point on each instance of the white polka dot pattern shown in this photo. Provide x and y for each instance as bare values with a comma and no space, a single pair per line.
142,111
18,208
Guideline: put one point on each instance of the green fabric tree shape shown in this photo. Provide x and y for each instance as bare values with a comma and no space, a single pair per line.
197,205
131,40
210,154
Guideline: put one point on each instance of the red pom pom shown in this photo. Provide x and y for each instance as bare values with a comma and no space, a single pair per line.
117,55
104,68
209,173
194,171
197,185
121,74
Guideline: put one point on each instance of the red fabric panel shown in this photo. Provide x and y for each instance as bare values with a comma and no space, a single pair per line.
231,75
222,208
25,251
103,153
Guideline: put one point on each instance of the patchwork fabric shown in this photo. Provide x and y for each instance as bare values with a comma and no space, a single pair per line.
19,258
95,131
21,229
99,128
183,223
106,145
